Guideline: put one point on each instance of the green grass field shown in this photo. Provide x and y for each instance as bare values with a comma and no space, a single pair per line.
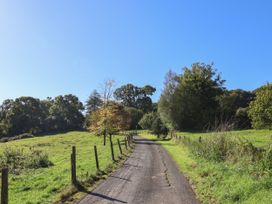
46,185
223,182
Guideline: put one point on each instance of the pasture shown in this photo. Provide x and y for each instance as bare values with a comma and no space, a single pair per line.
47,185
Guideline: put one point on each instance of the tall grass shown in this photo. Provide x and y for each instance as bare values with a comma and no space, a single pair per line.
223,147
221,172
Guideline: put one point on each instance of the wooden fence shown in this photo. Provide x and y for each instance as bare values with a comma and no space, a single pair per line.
127,142
4,172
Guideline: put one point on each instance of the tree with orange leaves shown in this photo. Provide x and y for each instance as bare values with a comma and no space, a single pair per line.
109,119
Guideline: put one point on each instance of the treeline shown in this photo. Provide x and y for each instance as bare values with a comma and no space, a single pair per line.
103,111
32,115
197,99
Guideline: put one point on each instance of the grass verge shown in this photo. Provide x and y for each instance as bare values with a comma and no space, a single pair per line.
224,181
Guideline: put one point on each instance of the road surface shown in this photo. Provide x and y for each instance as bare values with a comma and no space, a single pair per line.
148,176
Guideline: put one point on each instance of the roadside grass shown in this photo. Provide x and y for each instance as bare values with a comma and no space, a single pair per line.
259,138
222,182
48,185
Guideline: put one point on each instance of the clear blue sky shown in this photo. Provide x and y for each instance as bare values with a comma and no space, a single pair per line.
50,47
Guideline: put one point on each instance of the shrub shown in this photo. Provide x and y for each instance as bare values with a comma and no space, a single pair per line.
17,159
222,147
39,159
13,158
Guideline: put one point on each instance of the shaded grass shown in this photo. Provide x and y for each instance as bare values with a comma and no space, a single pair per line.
222,182
48,185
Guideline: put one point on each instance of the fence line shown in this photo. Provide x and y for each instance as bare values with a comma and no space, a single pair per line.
4,171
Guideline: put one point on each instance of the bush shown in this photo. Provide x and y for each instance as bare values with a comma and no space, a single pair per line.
14,159
39,159
17,160
224,148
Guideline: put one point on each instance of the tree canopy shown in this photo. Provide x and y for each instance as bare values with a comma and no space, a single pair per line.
136,97
109,119
190,100
233,107
31,115
94,102
260,110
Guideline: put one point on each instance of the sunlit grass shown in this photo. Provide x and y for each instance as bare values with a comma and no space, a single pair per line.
46,185
222,182
258,137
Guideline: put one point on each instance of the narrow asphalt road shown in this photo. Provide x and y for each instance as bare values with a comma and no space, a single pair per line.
148,176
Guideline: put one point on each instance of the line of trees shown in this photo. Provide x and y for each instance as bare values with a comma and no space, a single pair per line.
32,115
197,99
111,110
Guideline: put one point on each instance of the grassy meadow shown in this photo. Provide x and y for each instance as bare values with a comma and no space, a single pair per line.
230,181
47,185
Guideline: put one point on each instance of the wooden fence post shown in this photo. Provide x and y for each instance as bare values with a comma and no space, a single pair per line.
104,137
112,150
4,187
126,143
73,166
96,158
120,148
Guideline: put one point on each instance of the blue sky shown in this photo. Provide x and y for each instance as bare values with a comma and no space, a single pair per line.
49,47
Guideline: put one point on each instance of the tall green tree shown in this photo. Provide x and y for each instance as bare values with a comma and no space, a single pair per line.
94,102
166,106
24,114
136,97
192,97
66,113
158,128
135,116
260,110
233,107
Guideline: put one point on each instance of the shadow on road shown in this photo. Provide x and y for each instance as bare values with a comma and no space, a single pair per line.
151,141
106,197
120,178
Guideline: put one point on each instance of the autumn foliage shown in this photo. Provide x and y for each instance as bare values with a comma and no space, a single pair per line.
109,119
